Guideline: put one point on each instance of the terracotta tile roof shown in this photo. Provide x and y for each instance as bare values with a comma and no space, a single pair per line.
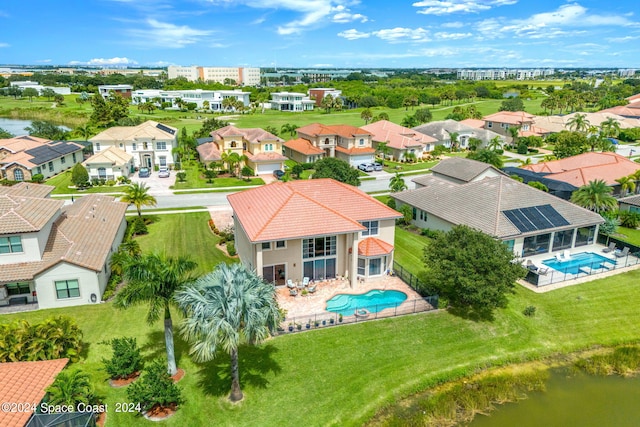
510,117
624,110
148,129
581,169
266,157
82,235
356,150
633,98
480,204
374,247
474,123
26,382
346,131
296,209
253,135
38,153
112,155
209,152
396,136
20,214
28,189
303,146
21,143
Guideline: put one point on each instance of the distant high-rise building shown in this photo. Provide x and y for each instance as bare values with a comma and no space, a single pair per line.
505,73
242,76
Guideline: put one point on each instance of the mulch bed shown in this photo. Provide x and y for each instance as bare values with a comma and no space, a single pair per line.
159,413
178,376
122,382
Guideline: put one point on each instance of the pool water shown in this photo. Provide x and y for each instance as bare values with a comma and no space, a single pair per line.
578,261
374,301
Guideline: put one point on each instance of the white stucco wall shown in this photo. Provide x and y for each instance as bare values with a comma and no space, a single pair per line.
90,283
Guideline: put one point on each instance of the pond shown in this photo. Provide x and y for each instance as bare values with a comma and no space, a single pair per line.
572,400
16,126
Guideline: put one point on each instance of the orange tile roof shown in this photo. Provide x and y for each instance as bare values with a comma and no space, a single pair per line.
209,152
346,131
26,382
356,150
374,247
511,117
633,98
474,123
265,157
21,143
297,209
253,135
581,169
396,136
630,110
303,146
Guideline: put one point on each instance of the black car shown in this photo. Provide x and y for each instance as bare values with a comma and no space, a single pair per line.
278,174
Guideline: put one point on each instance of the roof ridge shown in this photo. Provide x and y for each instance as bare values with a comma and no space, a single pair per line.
327,207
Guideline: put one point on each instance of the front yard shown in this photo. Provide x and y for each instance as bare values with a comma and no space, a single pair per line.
195,179
62,182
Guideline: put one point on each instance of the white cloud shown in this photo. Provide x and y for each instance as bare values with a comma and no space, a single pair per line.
4,44
43,61
111,61
166,35
344,17
455,24
622,39
445,7
353,34
399,34
452,36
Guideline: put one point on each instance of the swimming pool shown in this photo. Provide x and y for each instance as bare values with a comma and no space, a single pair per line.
374,301
578,261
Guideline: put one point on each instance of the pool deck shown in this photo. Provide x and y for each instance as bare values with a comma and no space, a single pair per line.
548,283
316,303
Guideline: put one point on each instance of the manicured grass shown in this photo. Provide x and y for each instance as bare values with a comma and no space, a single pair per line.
62,181
184,234
631,235
393,167
343,375
196,180
408,250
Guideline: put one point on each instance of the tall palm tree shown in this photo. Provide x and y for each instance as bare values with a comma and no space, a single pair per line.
610,128
453,136
397,184
627,183
384,149
366,115
224,309
595,196
138,195
288,127
154,279
578,123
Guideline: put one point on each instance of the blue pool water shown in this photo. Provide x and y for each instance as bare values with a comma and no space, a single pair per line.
578,261
374,301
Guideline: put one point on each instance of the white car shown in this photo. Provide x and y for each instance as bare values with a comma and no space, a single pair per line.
366,167
163,172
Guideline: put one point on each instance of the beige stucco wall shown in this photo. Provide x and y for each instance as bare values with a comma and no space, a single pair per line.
89,281
244,248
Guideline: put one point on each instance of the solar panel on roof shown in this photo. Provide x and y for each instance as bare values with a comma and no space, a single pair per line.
534,218
47,152
165,128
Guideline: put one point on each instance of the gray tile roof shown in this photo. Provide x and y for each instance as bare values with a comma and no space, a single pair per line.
631,200
28,189
440,130
462,169
480,204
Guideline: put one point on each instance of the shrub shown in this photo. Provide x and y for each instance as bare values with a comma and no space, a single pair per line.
139,227
529,311
247,171
126,358
427,232
307,166
155,388
391,203
213,227
629,219
37,178
231,249
226,235
114,279
522,148
79,175
110,183
95,182
182,176
123,180
71,388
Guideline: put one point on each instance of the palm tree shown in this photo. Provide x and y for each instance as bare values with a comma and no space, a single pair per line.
225,308
453,136
84,131
495,143
396,183
627,183
595,196
71,388
138,195
525,162
154,279
578,123
384,149
514,132
610,128
366,115
409,122
288,127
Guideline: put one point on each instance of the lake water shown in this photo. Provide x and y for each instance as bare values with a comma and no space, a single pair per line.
14,126
572,400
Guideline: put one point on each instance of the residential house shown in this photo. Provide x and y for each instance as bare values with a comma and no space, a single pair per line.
150,143
528,220
630,203
291,101
561,189
319,93
263,149
631,110
204,99
554,124
400,140
302,151
56,255
22,157
317,228
441,131
349,143
501,121
122,90
109,164
586,167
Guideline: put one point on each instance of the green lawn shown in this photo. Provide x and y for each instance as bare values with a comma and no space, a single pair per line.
196,180
62,182
408,250
631,235
393,167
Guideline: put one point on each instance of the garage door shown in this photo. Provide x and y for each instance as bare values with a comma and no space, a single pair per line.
267,168
358,160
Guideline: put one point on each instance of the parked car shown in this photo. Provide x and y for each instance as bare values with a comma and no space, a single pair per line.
377,166
366,167
278,174
144,173
163,172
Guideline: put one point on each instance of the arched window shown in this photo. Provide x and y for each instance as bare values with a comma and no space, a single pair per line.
18,175
233,144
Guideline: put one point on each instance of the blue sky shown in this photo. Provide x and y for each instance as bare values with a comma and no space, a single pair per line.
322,33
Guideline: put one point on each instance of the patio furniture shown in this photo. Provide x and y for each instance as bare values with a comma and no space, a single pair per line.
610,248
566,254
623,253
293,292
305,282
312,288
542,271
559,258
531,266
290,284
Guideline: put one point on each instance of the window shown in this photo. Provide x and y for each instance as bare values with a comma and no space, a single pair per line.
233,144
319,247
145,145
375,266
97,146
585,236
50,164
121,145
266,246
17,288
161,145
423,215
134,146
38,170
489,124
281,244
18,175
67,289
10,244
361,264
63,160
372,228
163,160
73,156
268,147
102,173
361,141
562,240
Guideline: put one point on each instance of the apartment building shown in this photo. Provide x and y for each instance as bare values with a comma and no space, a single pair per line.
242,76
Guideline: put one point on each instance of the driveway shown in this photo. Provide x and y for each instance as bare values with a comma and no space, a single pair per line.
157,186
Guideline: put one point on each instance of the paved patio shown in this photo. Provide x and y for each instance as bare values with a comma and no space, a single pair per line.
304,306
554,279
